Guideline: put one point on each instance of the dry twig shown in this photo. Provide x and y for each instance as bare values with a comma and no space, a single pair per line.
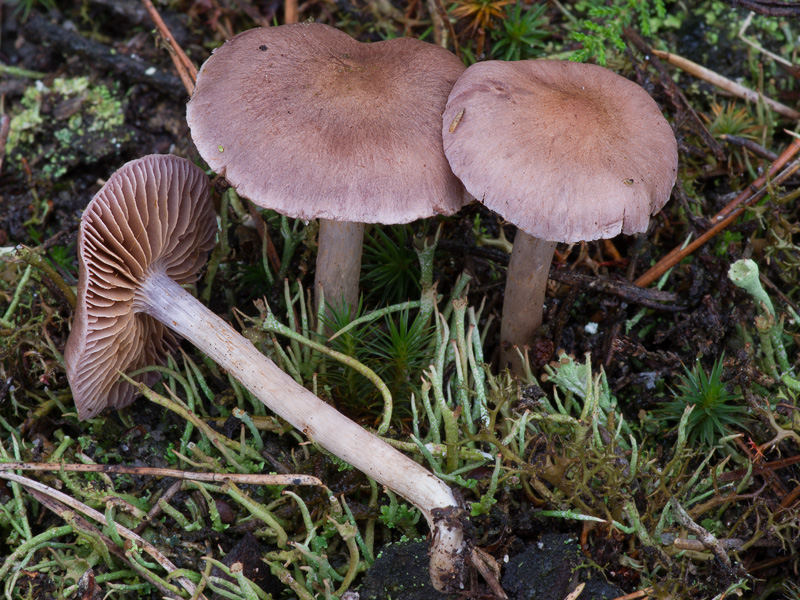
246,478
185,67
726,84
725,217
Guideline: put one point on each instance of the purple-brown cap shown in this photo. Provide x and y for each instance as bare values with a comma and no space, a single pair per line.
304,119
153,214
566,151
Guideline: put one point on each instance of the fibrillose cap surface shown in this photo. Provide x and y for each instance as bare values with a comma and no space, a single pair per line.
305,120
566,151
154,213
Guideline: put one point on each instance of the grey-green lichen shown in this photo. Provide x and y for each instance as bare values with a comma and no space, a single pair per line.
70,122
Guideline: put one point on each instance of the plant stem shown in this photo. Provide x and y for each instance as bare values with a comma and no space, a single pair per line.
5,320
34,259
17,72
272,324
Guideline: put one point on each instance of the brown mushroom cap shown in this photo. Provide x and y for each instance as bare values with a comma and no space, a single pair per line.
306,120
566,151
158,226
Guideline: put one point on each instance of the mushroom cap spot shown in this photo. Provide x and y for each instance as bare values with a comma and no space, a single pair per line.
318,125
566,151
153,214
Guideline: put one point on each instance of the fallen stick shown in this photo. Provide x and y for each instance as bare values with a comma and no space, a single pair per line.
82,526
726,84
154,552
185,67
722,219
291,14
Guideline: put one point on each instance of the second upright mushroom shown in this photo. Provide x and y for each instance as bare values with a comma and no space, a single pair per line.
305,120
565,151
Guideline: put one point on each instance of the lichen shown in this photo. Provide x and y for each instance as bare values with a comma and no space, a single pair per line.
73,121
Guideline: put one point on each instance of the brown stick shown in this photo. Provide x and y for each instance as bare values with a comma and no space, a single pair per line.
726,84
291,14
257,479
263,233
155,509
723,218
676,94
622,289
758,468
185,67
754,147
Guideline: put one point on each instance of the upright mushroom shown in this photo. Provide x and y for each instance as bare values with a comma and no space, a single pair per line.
565,151
305,120
147,231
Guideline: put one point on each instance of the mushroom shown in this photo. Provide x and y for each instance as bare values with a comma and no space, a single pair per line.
305,120
565,151
147,231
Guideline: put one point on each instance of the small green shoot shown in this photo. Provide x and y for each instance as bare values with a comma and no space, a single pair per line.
522,33
390,266
716,412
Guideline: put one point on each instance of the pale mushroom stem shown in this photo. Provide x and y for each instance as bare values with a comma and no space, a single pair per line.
165,300
523,304
339,262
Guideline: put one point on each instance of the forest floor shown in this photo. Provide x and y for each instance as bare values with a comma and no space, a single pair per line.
588,470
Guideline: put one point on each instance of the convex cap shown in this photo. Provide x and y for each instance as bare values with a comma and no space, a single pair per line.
146,218
304,119
566,151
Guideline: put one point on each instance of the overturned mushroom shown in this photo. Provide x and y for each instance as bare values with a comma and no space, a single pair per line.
565,151
149,230
305,120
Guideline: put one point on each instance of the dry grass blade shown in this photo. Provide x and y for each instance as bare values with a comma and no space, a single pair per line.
185,67
726,84
81,524
154,552
636,595
576,592
252,479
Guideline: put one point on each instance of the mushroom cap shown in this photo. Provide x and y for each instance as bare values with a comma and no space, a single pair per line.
153,214
305,120
565,151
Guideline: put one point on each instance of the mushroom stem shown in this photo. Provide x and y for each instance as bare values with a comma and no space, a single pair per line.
523,304
165,300
339,262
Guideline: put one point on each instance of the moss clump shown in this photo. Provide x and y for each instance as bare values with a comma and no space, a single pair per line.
69,123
